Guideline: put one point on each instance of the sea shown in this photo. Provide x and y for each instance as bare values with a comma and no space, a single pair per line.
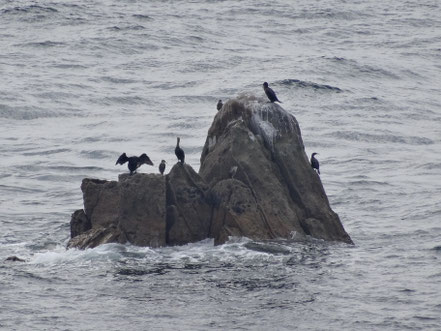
83,81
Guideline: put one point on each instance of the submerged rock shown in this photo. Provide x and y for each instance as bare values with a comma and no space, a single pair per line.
274,192
95,237
14,259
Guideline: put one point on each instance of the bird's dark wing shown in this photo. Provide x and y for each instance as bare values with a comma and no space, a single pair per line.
144,159
271,94
122,159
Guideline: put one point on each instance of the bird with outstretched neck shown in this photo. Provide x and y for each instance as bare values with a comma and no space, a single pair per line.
162,167
179,152
315,163
270,93
134,161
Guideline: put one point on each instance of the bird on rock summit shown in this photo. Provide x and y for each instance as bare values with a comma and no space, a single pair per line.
162,167
179,151
134,161
219,105
270,93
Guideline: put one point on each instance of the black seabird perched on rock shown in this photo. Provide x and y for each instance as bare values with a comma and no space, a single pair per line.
315,163
219,105
179,152
162,167
134,161
270,93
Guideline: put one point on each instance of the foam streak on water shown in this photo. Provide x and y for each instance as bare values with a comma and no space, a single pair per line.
82,82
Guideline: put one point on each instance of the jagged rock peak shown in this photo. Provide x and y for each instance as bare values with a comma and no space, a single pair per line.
264,119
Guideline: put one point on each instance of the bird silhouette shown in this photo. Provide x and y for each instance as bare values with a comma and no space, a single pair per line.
179,151
270,93
315,163
162,167
134,161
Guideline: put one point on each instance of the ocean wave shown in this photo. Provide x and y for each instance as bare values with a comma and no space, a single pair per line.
429,166
126,28
28,9
353,67
369,183
333,14
48,152
120,100
44,44
20,189
29,14
60,255
381,138
97,154
142,17
26,113
37,168
69,169
312,85
119,80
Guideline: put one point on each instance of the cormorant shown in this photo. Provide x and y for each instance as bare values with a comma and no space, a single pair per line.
315,163
162,167
179,152
219,105
270,93
134,161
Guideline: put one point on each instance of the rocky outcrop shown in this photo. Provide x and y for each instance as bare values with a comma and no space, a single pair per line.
273,192
130,210
283,193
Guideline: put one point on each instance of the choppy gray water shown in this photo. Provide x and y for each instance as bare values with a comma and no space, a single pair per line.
83,81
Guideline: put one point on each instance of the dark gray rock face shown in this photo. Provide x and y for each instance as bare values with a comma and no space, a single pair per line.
142,209
79,223
189,211
237,213
274,192
264,142
130,210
